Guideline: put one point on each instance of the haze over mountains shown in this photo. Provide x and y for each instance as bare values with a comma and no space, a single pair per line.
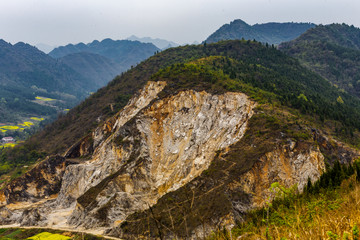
26,73
67,75
271,33
160,43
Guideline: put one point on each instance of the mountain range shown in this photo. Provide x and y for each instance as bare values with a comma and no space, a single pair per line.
66,75
27,73
124,52
271,33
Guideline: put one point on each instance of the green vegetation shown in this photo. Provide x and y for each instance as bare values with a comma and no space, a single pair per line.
27,73
333,51
328,209
265,85
44,234
20,131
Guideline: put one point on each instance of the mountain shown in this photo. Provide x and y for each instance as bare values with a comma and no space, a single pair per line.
187,142
27,73
333,51
124,52
97,69
160,43
271,33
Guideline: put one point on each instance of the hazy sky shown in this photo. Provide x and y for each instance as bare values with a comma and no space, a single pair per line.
58,22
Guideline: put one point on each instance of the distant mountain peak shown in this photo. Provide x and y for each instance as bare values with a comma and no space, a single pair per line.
160,43
4,43
272,32
239,22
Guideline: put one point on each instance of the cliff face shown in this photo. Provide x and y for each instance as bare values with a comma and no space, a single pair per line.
184,153
166,145
289,164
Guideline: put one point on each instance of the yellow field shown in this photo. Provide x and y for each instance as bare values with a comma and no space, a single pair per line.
44,99
37,119
20,126
7,145
9,127
49,236
26,124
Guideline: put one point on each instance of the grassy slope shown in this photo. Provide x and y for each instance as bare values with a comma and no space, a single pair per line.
332,212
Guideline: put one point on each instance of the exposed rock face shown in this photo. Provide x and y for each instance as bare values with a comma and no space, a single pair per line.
40,182
288,165
165,146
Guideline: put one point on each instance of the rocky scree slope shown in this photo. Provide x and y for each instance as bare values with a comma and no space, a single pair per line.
190,152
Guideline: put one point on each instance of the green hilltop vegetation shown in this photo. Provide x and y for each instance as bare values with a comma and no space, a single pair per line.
271,33
333,51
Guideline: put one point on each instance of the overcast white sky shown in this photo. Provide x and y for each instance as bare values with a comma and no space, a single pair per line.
58,22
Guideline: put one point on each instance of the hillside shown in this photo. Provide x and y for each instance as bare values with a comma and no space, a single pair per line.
333,51
271,33
27,73
98,70
124,52
186,142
